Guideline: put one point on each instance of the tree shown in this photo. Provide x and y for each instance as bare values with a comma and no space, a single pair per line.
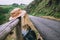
15,4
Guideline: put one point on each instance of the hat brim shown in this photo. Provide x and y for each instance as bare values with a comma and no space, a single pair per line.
21,14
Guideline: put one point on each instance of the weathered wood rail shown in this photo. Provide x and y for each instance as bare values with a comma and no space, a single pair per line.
6,28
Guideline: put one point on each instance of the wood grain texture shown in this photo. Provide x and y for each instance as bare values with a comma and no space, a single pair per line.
7,27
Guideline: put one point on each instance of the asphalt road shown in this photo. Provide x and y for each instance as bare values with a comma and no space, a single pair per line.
49,29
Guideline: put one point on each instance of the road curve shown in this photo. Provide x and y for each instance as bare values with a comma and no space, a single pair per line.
49,29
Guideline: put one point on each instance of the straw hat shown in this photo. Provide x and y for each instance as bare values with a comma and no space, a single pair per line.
17,12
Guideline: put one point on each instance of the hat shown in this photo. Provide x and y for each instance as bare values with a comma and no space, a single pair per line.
17,12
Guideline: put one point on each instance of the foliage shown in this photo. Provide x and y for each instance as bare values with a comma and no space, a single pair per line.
44,7
15,4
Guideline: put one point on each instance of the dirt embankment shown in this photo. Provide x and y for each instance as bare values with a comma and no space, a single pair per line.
51,18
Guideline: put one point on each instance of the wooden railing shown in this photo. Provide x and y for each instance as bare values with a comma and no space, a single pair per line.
7,27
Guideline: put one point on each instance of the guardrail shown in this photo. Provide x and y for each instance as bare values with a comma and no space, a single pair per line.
6,28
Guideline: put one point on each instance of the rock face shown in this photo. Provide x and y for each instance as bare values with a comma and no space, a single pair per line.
44,7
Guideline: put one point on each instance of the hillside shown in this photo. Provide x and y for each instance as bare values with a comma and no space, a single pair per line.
44,8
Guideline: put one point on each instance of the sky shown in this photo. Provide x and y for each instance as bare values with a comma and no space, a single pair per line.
7,2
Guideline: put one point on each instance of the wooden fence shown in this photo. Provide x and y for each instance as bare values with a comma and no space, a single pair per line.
7,27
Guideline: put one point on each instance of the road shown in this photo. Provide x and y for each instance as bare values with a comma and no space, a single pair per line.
49,29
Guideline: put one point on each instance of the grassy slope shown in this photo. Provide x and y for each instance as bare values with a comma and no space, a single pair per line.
43,9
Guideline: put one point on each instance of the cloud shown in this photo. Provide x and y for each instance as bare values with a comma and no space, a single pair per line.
7,2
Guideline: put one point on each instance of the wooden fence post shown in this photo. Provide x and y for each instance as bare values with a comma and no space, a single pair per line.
18,31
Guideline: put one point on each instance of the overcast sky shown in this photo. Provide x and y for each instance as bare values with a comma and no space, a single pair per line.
7,2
